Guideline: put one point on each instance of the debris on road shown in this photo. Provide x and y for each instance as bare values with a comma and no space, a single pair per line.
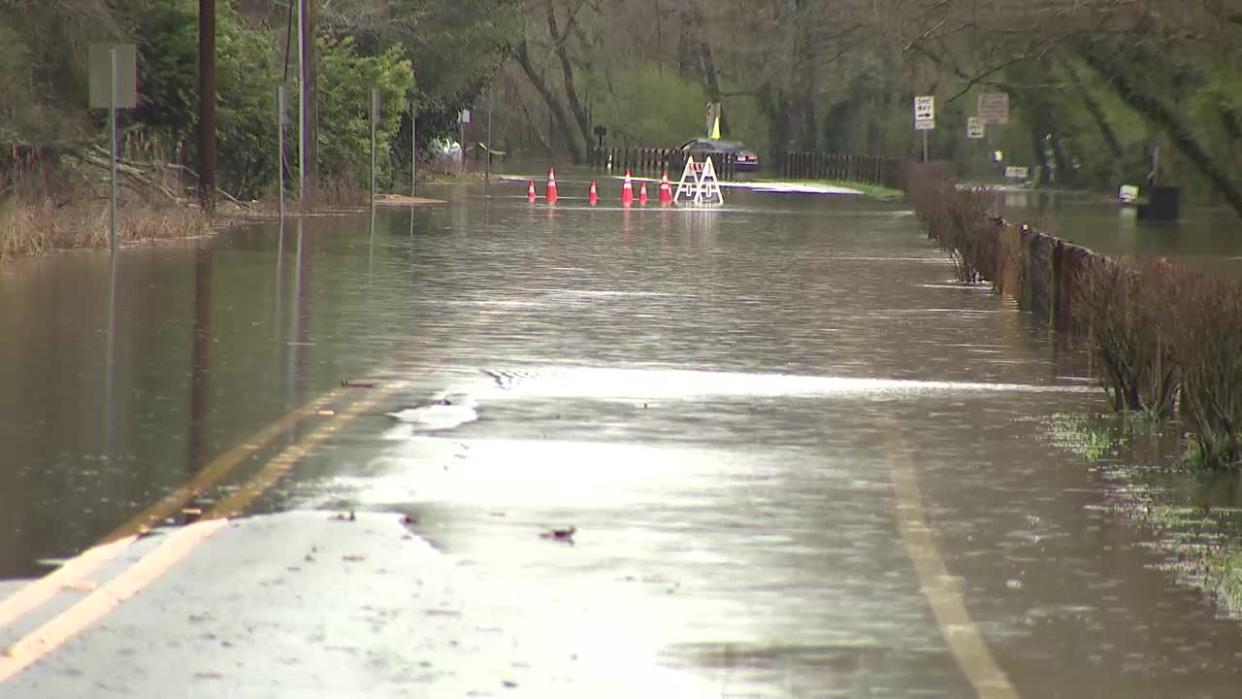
566,535
346,383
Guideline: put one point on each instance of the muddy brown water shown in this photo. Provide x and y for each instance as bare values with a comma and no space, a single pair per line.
717,401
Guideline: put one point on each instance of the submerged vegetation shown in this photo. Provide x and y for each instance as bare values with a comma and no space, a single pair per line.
1193,516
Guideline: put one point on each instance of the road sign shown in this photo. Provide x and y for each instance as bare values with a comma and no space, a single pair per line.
464,117
994,108
99,64
1017,173
924,113
974,128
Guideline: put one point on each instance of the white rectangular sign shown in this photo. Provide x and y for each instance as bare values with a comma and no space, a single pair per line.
1016,173
994,108
924,113
974,128
99,68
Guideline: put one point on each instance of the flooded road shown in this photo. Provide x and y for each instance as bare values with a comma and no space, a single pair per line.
798,460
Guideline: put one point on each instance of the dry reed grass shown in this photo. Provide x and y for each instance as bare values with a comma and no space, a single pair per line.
63,211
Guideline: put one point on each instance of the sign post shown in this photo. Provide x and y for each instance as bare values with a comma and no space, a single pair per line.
487,177
112,78
924,117
375,115
414,150
113,72
280,149
462,120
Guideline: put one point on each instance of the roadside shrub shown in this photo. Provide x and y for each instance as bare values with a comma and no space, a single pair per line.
1126,314
1208,338
346,79
246,73
960,221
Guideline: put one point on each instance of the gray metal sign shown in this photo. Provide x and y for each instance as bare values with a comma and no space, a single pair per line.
100,69
994,108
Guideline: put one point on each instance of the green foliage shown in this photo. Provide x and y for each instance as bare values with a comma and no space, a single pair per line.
168,67
346,80
246,79
247,74
647,106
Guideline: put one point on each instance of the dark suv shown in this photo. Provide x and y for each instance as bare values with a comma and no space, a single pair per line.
746,161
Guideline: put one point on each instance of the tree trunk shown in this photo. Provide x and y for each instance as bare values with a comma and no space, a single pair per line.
1160,114
311,76
1096,112
559,41
697,51
522,55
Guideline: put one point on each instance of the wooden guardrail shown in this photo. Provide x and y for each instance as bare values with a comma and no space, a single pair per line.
872,169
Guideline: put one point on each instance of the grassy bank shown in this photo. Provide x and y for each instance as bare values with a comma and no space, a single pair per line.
871,191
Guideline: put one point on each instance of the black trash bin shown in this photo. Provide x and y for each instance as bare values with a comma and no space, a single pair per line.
1163,204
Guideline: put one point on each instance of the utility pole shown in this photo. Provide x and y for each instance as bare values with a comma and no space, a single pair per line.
207,103
301,101
309,79
414,149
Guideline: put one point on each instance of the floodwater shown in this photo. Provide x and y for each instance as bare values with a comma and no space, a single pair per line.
800,461
1205,238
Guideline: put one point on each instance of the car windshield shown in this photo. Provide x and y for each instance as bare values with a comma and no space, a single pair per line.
704,144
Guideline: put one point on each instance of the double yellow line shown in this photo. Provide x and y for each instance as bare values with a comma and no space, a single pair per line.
219,467
76,572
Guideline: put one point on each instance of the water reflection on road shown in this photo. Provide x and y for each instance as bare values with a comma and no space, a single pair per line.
717,402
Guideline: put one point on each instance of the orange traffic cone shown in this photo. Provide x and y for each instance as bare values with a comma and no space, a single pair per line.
530,192
666,190
642,194
551,186
593,196
627,191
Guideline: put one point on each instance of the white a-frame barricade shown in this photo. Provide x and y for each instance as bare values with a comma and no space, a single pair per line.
698,185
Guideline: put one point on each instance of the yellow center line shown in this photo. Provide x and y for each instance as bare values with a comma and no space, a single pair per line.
99,603
958,629
282,463
218,468
73,572
50,636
